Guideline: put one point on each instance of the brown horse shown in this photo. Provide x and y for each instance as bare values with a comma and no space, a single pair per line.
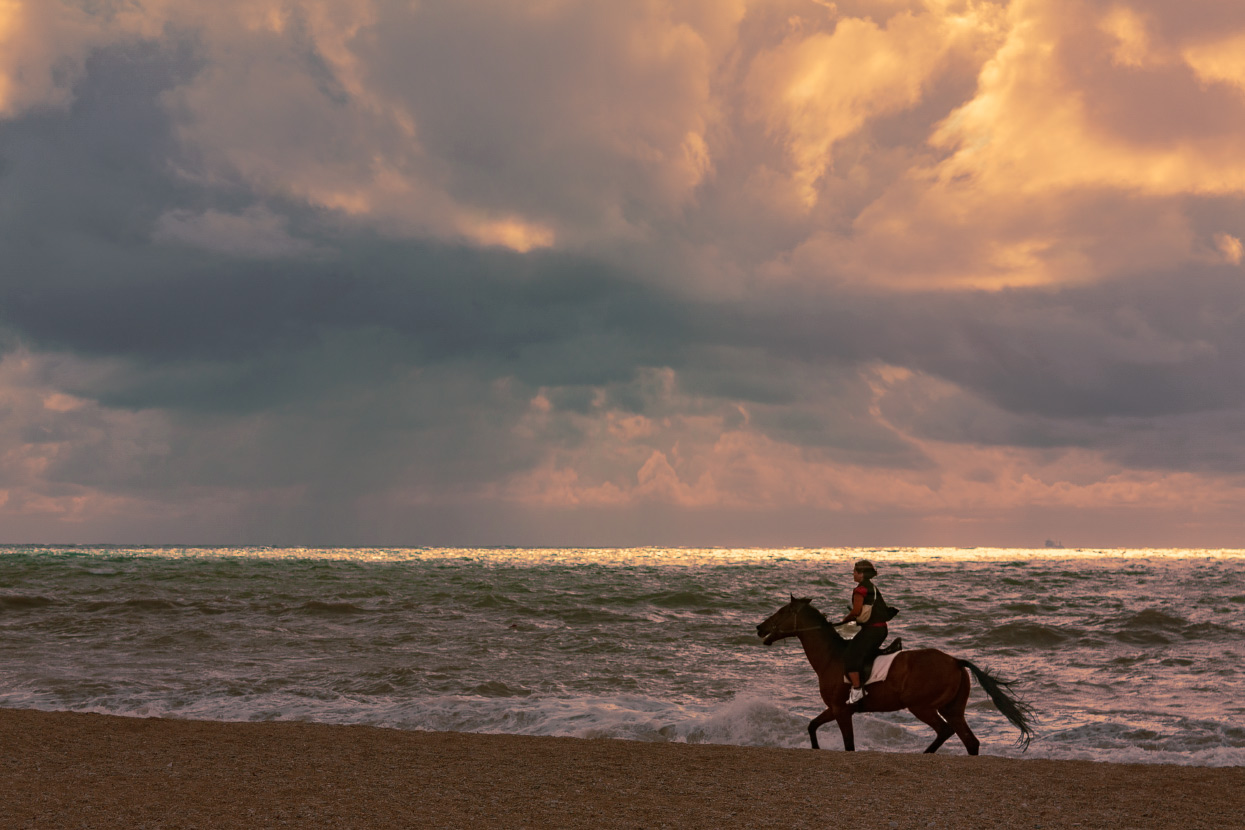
929,683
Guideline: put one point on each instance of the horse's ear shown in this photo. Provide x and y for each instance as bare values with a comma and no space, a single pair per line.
792,597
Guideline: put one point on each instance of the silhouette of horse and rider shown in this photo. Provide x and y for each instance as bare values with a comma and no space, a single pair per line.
929,683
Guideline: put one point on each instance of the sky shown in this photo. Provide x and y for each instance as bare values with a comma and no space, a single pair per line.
694,272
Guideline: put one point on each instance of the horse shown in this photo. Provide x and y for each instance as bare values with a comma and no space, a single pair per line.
929,683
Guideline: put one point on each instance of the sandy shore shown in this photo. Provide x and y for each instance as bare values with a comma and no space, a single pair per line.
74,770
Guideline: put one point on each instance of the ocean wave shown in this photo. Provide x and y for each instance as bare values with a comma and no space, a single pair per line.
915,605
1172,737
22,602
602,645
196,637
942,631
579,616
1141,637
496,688
127,606
331,609
385,682
675,599
1022,607
1033,635
1212,631
1153,619
150,604
745,721
498,601
1155,627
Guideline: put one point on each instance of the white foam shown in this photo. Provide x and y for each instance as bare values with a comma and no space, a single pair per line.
742,721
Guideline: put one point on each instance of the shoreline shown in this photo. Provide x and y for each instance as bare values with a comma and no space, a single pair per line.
66,769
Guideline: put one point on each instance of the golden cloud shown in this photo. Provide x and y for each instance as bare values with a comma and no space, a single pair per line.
1061,166
816,90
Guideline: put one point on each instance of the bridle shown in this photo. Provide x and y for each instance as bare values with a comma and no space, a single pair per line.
823,625
802,630
817,627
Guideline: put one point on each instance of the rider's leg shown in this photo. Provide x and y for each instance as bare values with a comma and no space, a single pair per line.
863,644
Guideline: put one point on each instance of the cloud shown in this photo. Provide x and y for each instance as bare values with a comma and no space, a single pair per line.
1047,173
361,270
390,117
255,232
818,88
1230,247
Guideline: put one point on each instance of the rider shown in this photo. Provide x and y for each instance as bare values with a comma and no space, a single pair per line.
867,602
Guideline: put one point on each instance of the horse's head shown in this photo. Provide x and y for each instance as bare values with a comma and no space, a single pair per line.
788,621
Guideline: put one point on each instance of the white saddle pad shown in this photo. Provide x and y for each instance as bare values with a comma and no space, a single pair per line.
881,668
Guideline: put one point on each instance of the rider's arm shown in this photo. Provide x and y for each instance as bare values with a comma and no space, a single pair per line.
858,604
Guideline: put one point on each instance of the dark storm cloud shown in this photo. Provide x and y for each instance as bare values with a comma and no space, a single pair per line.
85,187
89,180
1137,346
1141,346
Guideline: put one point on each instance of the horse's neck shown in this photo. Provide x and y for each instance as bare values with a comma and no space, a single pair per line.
822,646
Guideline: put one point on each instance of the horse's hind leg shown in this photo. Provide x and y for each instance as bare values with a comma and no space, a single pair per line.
954,713
943,729
966,735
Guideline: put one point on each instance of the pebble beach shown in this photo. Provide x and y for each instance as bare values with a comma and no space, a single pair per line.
63,770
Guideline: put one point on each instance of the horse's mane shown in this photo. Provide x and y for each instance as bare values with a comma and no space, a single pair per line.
822,621
808,603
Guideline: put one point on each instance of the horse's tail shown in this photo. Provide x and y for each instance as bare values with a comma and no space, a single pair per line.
1013,708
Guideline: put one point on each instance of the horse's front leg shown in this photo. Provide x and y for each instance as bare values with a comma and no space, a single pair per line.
845,726
815,724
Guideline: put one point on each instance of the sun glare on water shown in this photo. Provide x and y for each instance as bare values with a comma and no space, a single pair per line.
664,556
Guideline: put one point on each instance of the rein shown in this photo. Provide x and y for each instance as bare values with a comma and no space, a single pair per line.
824,624
802,630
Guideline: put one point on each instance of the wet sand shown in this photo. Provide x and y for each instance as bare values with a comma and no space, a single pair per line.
77,770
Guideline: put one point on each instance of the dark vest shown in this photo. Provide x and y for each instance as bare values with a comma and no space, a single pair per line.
881,611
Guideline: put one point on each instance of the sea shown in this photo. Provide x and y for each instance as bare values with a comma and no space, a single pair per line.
1125,655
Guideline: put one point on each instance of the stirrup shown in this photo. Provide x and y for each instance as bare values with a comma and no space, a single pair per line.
856,695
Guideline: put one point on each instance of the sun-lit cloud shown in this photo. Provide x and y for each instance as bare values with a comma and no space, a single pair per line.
1219,61
1230,246
1035,125
1133,46
1060,166
9,22
41,52
511,233
816,89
